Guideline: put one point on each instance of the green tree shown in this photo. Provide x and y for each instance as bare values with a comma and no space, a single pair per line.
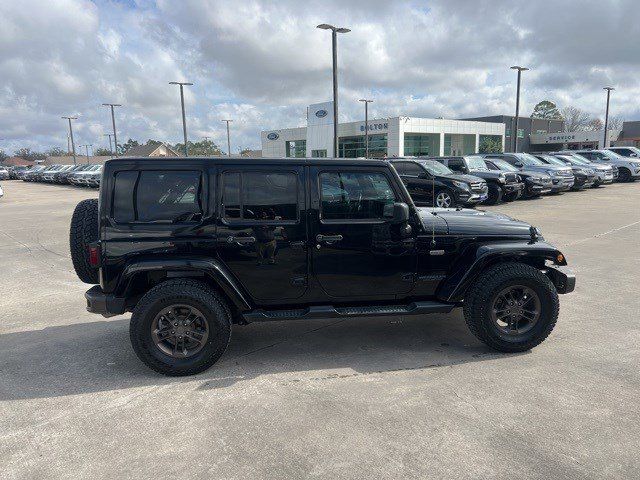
102,152
28,154
546,109
203,148
55,152
489,145
128,145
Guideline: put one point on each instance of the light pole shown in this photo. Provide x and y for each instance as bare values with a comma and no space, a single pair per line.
334,49
113,123
515,134
73,146
87,149
606,118
228,137
110,147
366,125
184,120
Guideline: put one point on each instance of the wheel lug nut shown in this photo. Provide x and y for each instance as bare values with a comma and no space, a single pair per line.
173,331
175,324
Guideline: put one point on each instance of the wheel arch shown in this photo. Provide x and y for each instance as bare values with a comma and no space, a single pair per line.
140,276
455,286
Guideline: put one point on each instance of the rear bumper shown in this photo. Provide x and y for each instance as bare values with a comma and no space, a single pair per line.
105,304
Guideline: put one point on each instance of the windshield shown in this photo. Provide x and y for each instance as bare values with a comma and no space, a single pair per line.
610,155
528,159
476,163
579,159
503,165
435,168
553,160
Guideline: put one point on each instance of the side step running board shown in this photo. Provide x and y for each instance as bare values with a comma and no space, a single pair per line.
415,308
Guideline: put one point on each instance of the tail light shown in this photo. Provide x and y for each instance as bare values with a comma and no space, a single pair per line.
94,255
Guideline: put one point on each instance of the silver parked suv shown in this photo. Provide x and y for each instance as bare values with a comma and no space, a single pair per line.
628,167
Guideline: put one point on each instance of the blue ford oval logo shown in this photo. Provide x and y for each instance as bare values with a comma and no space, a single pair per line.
321,113
273,136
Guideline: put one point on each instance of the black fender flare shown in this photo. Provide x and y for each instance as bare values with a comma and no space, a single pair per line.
176,267
454,287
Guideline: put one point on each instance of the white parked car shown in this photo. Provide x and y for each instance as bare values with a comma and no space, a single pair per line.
1,192
628,166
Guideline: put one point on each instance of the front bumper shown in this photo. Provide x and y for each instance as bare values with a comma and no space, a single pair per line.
562,277
584,181
604,178
535,189
105,304
562,184
513,187
472,198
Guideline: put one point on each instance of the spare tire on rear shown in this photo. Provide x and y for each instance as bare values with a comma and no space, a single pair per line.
83,232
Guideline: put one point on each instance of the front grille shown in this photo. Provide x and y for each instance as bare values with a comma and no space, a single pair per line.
546,181
511,177
478,186
566,174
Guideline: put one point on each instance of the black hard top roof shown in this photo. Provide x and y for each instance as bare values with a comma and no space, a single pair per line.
249,161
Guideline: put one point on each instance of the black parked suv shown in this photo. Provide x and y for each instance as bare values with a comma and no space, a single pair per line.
502,186
535,183
431,183
193,246
561,177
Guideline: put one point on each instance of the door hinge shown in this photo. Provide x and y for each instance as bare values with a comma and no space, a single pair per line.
299,281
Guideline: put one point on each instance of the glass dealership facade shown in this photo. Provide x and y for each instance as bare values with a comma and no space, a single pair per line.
388,137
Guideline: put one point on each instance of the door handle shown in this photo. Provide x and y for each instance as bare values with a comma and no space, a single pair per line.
328,238
241,239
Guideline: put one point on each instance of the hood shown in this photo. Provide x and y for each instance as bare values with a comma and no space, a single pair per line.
599,167
487,174
545,168
468,221
461,177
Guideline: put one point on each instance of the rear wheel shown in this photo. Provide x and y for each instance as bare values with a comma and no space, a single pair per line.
180,327
83,232
512,307
494,194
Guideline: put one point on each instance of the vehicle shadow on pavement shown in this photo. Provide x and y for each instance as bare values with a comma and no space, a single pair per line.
97,356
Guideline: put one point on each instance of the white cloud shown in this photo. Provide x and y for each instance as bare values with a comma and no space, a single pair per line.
262,63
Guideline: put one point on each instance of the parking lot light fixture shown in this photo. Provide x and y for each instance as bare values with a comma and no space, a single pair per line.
228,137
606,117
110,147
515,133
113,123
73,146
334,50
184,119
366,125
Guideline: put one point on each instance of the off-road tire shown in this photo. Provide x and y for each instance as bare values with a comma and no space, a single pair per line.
495,195
182,291
84,231
479,300
624,175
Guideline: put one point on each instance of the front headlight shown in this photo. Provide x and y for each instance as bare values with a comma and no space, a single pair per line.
635,164
462,185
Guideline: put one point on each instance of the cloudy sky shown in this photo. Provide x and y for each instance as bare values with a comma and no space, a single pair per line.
262,63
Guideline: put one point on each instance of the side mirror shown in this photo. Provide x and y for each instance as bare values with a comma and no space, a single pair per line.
424,175
519,164
633,155
396,212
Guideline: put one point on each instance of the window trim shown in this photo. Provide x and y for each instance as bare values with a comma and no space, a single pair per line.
241,221
360,221
202,201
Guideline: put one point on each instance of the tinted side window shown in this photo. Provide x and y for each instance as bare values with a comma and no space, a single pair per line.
260,196
123,210
354,195
455,164
168,196
407,168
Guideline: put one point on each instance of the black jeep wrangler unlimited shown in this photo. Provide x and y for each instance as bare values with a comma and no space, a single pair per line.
192,246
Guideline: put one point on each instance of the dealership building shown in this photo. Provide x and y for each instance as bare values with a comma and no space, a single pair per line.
388,137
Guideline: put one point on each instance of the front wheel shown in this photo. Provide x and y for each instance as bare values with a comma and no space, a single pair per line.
180,327
444,199
624,175
494,194
512,307
510,197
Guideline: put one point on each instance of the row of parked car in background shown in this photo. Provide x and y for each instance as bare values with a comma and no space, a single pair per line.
469,180
85,175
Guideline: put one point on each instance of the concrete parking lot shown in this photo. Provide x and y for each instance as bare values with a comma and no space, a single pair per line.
358,398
